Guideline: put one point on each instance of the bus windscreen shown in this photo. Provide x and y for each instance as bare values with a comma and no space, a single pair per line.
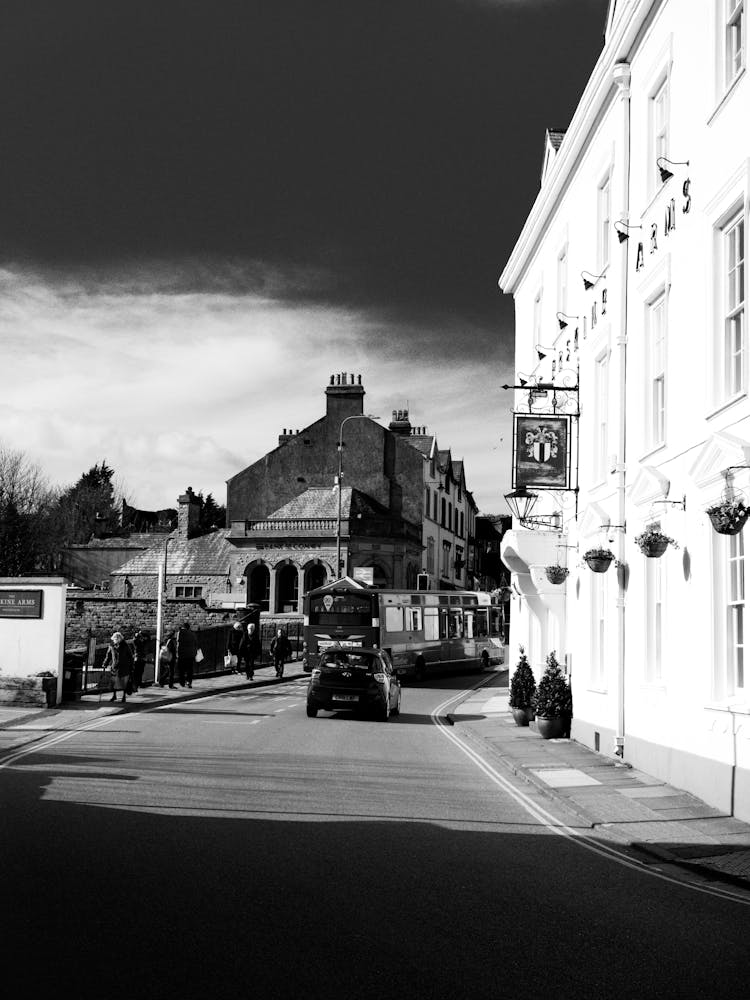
341,609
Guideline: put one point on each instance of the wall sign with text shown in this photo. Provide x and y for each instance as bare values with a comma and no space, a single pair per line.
20,603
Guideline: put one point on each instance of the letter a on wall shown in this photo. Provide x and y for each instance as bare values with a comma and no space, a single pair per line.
541,452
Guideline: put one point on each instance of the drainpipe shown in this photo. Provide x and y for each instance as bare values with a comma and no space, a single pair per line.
621,77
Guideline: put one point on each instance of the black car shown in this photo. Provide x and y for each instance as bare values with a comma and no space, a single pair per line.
355,680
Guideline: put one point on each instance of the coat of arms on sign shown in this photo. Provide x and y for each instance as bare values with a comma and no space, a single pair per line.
541,451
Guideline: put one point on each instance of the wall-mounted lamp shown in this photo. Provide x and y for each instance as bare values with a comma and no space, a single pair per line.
521,502
561,317
622,227
665,172
589,279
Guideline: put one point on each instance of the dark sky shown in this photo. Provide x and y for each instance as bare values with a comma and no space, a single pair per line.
395,146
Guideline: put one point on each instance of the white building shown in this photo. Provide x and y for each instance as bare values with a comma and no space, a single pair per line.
656,340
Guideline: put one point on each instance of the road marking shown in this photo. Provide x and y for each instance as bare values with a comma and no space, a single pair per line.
551,822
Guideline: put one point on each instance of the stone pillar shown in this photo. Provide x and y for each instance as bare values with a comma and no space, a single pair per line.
300,588
272,595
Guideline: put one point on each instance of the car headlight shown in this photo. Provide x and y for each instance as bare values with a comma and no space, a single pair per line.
316,672
380,678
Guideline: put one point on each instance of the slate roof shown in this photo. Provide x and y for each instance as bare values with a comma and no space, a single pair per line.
135,540
207,555
422,442
322,502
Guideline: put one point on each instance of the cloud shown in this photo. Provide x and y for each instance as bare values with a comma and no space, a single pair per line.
187,378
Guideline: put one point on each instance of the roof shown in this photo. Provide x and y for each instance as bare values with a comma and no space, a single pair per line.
422,442
208,555
322,502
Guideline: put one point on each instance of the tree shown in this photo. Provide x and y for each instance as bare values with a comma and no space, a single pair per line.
211,515
88,507
26,504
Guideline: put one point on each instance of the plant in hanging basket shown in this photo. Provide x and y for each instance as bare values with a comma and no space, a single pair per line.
729,515
556,574
653,542
598,560
522,690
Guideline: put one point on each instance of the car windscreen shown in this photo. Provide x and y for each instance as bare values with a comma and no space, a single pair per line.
351,661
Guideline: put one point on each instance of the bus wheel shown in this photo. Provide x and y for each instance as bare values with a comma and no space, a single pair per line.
420,669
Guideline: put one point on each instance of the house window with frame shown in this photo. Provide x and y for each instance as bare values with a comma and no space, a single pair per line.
734,40
654,620
538,318
604,219
598,630
427,501
733,308
601,416
659,132
656,371
562,281
735,614
434,506
445,569
430,555
188,591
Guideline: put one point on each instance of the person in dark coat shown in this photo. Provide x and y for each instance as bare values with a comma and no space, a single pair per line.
234,646
187,647
250,649
281,650
140,654
167,657
118,659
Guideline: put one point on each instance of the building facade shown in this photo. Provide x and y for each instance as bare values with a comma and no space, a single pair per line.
343,493
630,289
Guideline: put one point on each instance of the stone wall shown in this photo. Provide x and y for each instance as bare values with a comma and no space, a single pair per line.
104,614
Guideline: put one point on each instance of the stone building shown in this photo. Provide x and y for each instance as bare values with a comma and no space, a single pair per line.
289,519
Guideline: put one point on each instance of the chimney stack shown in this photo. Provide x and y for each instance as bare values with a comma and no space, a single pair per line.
345,397
188,513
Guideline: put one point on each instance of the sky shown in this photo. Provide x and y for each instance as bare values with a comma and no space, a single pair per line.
207,207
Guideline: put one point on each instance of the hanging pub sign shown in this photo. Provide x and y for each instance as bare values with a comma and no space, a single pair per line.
541,452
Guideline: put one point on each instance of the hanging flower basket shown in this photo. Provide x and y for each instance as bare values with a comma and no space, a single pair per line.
654,543
556,574
728,517
599,560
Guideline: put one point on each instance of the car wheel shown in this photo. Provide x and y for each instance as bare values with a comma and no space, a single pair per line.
420,669
311,711
385,709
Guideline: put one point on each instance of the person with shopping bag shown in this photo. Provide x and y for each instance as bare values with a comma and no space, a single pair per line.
119,661
167,655
233,651
187,651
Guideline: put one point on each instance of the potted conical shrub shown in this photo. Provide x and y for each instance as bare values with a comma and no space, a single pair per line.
653,542
598,560
522,689
553,701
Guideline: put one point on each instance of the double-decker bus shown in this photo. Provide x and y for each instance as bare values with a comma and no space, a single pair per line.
423,631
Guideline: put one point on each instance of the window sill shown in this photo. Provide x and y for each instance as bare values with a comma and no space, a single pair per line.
727,404
652,451
725,97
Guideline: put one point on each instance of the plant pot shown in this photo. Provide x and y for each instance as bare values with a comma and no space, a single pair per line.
556,574
598,564
550,729
654,548
520,716
727,526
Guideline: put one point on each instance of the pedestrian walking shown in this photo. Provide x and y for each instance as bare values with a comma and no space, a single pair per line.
187,647
250,650
234,647
119,661
281,650
167,657
140,654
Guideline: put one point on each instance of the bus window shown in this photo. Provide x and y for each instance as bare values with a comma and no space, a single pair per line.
469,619
482,627
413,619
443,623
495,626
456,624
431,627
339,609
394,619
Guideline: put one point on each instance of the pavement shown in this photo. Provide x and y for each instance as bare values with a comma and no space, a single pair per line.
633,808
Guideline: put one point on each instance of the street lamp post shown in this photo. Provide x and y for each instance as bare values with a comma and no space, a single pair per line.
352,416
